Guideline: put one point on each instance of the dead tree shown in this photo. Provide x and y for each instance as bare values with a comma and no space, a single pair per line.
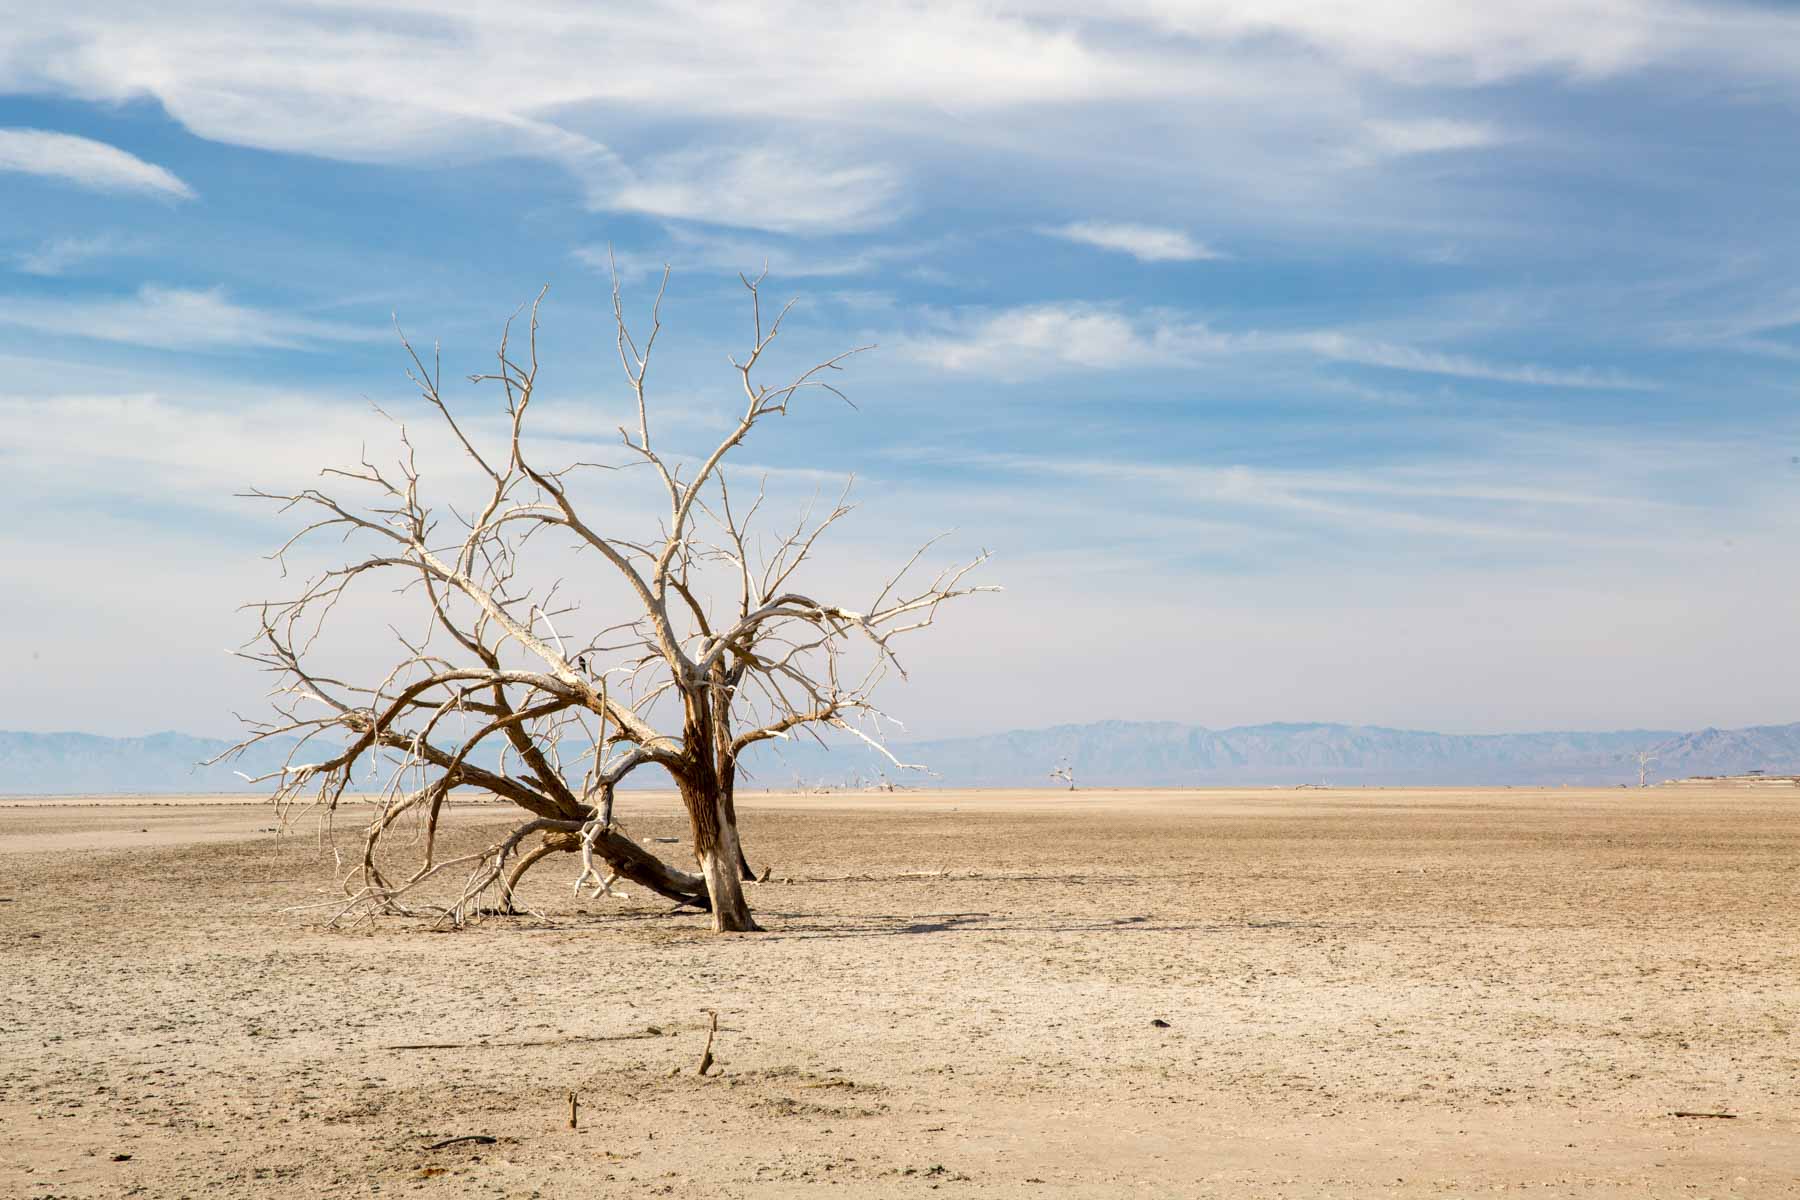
1644,759
497,691
1065,772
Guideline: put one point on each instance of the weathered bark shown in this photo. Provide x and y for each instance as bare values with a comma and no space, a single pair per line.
728,804
727,760
705,785
716,846
630,860
720,866
643,868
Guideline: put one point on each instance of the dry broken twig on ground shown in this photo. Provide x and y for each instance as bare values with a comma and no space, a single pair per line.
475,1139
712,1031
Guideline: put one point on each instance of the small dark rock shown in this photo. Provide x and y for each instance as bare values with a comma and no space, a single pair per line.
1159,1023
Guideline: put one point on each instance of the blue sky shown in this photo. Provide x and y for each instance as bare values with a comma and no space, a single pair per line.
1419,364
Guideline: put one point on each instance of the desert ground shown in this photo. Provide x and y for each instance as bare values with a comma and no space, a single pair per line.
1207,993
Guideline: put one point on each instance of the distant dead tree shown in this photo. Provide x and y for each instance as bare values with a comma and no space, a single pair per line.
1644,759
489,695
1065,772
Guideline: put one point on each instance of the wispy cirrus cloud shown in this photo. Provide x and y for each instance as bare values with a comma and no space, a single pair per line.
1379,141
1539,492
1369,352
171,318
1430,135
1037,339
85,163
61,255
703,250
1254,97
776,188
1414,42
1146,243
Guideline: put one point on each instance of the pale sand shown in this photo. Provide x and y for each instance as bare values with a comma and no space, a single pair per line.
1396,993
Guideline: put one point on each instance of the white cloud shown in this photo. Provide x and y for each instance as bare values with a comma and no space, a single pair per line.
71,431
147,444
1378,142
690,249
1246,97
1426,40
202,447
1039,339
1344,347
86,163
1754,311
1146,243
1429,136
1545,494
175,319
58,256
766,187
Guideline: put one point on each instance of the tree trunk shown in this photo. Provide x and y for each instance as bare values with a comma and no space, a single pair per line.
724,883
714,820
728,805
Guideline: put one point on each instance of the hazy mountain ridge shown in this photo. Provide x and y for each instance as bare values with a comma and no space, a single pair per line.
1105,753
1119,753
162,763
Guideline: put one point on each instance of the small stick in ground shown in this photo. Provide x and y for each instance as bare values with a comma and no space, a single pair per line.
574,1109
706,1058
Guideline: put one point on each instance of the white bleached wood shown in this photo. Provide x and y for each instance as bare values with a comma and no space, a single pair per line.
498,693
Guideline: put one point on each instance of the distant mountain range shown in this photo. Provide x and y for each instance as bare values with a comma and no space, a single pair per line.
86,764
1164,754
1103,754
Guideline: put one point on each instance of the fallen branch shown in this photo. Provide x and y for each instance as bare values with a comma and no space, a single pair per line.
479,1139
1711,1115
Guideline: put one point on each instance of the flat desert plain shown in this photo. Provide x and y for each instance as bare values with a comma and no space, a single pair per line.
1208,993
